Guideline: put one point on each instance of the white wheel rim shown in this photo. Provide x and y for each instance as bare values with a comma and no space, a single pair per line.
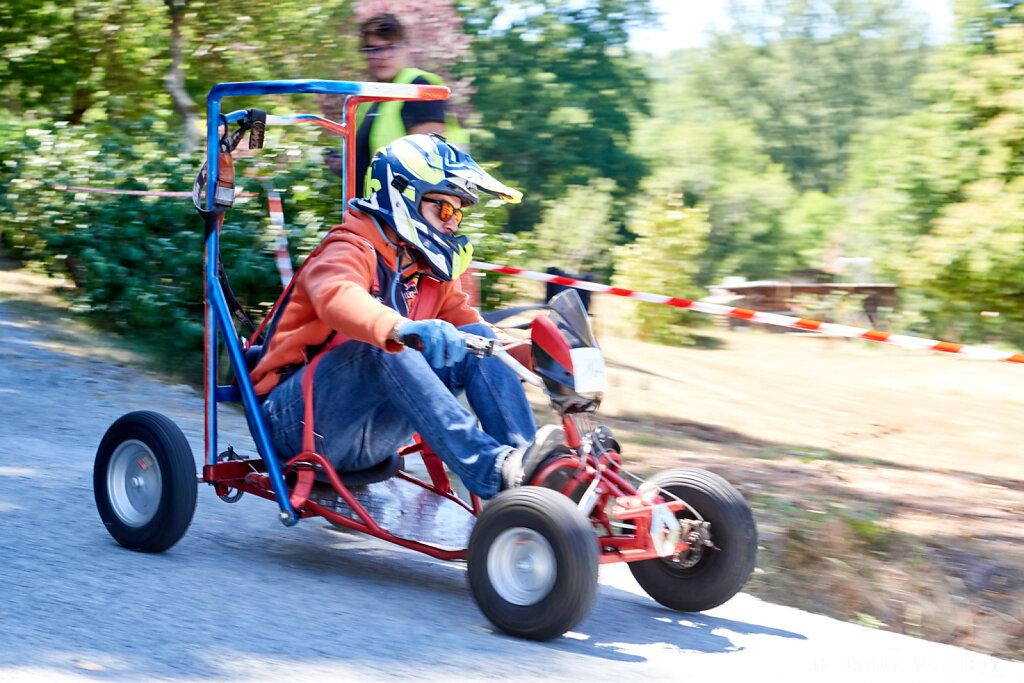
521,566
134,483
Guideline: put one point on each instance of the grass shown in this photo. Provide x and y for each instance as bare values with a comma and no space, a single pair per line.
844,560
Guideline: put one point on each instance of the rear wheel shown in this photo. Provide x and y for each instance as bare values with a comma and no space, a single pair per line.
704,576
144,481
532,563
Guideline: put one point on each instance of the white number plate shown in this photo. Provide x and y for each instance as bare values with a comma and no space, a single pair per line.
587,370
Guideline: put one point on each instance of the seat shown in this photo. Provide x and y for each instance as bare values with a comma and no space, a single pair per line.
371,475
379,472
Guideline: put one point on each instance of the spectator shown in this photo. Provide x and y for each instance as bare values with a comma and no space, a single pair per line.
380,123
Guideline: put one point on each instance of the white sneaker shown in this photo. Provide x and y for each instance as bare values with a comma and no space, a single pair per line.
521,463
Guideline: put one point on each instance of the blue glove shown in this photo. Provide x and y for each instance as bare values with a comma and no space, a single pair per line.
439,341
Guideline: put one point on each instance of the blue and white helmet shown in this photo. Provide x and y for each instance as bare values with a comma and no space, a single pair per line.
415,165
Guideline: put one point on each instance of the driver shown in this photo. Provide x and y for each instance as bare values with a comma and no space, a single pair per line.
390,269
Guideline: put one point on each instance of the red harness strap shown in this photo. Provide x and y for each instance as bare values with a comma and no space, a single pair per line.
421,307
331,237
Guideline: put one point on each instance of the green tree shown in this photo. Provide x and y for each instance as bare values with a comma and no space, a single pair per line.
937,194
810,226
62,59
576,233
664,257
556,91
810,73
978,20
902,174
970,260
129,58
698,149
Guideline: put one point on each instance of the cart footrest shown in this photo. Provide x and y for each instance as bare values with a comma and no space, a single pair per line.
406,510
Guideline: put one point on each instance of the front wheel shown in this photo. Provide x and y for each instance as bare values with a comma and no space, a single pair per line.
144,481
532,563
706,575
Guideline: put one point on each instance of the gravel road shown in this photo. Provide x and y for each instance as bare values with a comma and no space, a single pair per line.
242,598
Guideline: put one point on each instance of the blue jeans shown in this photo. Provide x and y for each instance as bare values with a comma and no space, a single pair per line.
367,403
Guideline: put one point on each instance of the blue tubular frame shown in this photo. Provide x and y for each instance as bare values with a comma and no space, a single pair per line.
217,317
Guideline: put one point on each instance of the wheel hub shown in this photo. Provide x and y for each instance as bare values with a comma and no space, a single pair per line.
521,566
134,483
698,535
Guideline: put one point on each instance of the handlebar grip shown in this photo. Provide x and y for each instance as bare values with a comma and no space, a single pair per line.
413,341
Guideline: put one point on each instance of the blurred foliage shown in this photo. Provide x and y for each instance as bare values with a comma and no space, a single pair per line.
492,243
713,159
935,196
137,261
61,58
102,60
580,228
663,258
809,130
808,74
556,93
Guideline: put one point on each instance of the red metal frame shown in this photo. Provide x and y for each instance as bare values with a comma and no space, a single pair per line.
613,493
248,476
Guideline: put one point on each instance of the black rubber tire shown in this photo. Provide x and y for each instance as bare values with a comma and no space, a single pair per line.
573,544
147,433
721,571
558,479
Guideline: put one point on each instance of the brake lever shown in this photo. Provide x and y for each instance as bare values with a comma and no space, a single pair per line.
485,346
481,346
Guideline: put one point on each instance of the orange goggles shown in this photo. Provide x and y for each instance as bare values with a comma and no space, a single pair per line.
447,210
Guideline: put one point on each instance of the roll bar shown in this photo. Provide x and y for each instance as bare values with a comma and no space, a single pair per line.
216,314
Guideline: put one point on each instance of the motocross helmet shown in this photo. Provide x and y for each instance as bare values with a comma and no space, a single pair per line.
415,165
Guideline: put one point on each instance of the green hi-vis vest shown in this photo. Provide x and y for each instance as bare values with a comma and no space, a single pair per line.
387,126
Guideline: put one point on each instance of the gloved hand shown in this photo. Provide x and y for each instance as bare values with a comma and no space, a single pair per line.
439,341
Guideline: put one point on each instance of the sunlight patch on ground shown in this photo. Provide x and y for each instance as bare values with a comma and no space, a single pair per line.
19,472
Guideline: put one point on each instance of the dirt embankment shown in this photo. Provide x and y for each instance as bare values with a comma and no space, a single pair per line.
887,483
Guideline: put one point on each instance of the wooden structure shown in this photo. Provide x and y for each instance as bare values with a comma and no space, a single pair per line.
818,300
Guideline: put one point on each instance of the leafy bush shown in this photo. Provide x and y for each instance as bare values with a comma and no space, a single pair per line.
137,262
663,260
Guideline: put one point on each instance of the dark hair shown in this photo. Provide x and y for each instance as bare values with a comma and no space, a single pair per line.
385,26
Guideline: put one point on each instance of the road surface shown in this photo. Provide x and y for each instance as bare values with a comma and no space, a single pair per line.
242,598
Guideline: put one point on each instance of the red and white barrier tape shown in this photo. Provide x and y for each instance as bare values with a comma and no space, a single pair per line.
138,193
281,257
761,317
284,267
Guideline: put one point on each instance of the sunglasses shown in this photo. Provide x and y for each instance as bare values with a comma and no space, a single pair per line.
447,210
382,51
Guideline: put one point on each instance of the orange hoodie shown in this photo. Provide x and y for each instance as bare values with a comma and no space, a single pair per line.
332,292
